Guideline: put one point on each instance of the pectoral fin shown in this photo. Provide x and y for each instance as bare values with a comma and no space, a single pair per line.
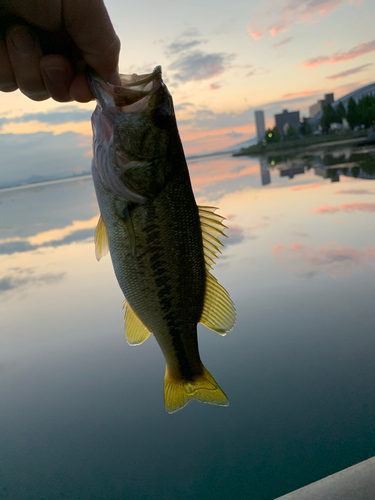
136,332
101,239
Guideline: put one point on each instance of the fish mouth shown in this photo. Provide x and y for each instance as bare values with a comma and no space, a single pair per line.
131,96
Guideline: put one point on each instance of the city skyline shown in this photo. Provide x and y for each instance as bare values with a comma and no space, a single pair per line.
222,64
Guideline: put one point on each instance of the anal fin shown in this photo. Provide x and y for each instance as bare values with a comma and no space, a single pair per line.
136,332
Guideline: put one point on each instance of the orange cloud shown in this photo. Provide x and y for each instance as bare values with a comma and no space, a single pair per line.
346,207
306,186
359,50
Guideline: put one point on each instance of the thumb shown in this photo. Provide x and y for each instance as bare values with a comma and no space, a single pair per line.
90,28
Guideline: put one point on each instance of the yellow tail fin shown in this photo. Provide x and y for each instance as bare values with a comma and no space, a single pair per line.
179,392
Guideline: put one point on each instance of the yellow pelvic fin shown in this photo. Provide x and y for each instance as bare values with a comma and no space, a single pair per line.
219,313
179,392
101,239
136,332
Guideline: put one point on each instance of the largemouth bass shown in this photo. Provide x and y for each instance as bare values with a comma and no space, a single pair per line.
161,243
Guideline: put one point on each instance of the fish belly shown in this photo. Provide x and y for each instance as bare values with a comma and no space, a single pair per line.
163,277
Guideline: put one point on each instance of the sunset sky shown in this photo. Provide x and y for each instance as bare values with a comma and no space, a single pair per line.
221,61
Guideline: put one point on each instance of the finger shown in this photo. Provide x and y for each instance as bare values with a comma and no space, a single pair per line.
80,90
24,54
7,79
92,31
57,74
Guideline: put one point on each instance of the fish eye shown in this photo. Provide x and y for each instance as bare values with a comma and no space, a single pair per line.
161,117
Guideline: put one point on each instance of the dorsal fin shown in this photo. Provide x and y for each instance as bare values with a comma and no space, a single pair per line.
219,313
212,230
136,332
101,239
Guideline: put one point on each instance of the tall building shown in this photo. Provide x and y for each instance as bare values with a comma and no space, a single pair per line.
259,121
318,106
287,119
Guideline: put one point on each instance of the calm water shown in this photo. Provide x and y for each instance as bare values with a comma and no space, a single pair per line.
82,414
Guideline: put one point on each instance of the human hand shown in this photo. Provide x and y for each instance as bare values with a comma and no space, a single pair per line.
45,46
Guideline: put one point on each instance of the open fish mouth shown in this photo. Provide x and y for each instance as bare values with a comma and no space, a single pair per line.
131,96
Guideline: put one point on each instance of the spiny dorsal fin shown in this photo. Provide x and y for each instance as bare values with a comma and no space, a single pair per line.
101,239
212,230
136,332
219,313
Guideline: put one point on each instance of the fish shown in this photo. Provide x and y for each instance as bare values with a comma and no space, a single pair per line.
162,245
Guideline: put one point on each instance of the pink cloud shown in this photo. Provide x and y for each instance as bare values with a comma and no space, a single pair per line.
359,50
346,207
348,72
214,86
301,93
256,34
332,259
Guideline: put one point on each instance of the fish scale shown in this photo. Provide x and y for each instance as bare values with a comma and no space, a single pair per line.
161,244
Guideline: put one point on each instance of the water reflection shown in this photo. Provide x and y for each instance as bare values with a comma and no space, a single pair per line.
329,165
300,265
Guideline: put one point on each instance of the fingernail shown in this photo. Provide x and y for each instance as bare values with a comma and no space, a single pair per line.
22,39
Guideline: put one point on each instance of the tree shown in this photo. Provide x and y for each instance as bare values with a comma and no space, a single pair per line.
272,135
329,116
291,132
352,113
305,127
340,112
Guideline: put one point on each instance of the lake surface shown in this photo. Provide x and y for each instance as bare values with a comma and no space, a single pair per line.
82,414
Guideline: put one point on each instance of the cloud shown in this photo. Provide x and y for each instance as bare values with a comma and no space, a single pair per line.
200,66
43,155
294,11
332,259
235,235
53,117
78,230
346,207
301,93
283,42
354,191
214,86
23,277
315,62
359,50
177,47
306,186
348,72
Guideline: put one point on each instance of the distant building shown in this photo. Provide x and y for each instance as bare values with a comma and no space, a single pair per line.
287,119
318,106
265,175
259,121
